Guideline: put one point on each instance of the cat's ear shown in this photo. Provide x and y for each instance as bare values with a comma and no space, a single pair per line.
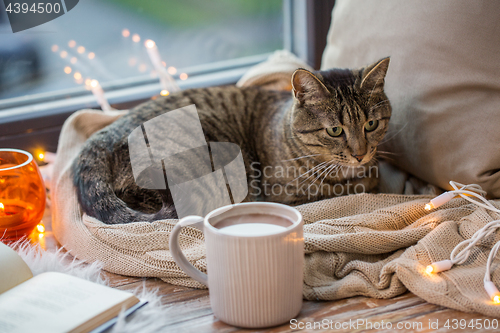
373,76
306,85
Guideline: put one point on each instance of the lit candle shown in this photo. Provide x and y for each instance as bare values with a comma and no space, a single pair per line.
22,194
166,81
10,215
153,53
99,95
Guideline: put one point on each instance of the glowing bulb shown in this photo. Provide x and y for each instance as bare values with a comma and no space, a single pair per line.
40,228
142,68
183,76
164,92
164,64
41,156
80,49
125,33
94,83
91,55
71,43
439,266
77,76
73,60
54,48
492,291
88,82
63,54
2,208
132,61
440,200
40,236
172,70
67,70
150,44
136,38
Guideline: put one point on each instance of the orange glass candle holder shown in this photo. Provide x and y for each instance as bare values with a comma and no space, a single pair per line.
22,194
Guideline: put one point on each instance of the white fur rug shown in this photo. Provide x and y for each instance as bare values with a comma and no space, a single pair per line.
152,317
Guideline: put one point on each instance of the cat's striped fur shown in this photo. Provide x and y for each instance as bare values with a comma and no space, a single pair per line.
275,130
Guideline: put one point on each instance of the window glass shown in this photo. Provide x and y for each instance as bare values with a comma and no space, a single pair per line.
104,40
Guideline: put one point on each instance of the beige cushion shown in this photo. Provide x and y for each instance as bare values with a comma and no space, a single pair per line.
443,81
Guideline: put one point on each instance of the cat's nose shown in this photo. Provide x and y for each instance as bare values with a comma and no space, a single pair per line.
359,157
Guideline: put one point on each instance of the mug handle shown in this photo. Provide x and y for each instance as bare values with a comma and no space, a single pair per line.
177,254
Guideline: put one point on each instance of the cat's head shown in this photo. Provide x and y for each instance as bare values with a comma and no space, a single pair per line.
341,114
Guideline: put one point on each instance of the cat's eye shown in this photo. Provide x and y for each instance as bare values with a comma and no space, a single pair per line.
371,125
334,131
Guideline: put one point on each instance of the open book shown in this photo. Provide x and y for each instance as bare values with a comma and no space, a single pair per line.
54,302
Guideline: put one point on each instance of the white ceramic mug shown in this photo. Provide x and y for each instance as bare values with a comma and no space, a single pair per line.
254,281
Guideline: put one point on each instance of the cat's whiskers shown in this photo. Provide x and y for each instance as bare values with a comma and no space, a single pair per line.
387,152
316,179
375,159
383,157
386,155
328,172
301,157
337,167
315,172
332,167
305,173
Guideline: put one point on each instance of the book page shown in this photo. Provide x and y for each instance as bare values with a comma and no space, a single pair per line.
55,302
13,270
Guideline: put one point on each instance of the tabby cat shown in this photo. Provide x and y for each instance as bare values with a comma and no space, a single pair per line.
317,142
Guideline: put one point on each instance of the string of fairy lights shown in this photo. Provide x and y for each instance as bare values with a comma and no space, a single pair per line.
476,195
80,62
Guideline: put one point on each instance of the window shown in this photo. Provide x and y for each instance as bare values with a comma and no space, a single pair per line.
43,70
104,40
